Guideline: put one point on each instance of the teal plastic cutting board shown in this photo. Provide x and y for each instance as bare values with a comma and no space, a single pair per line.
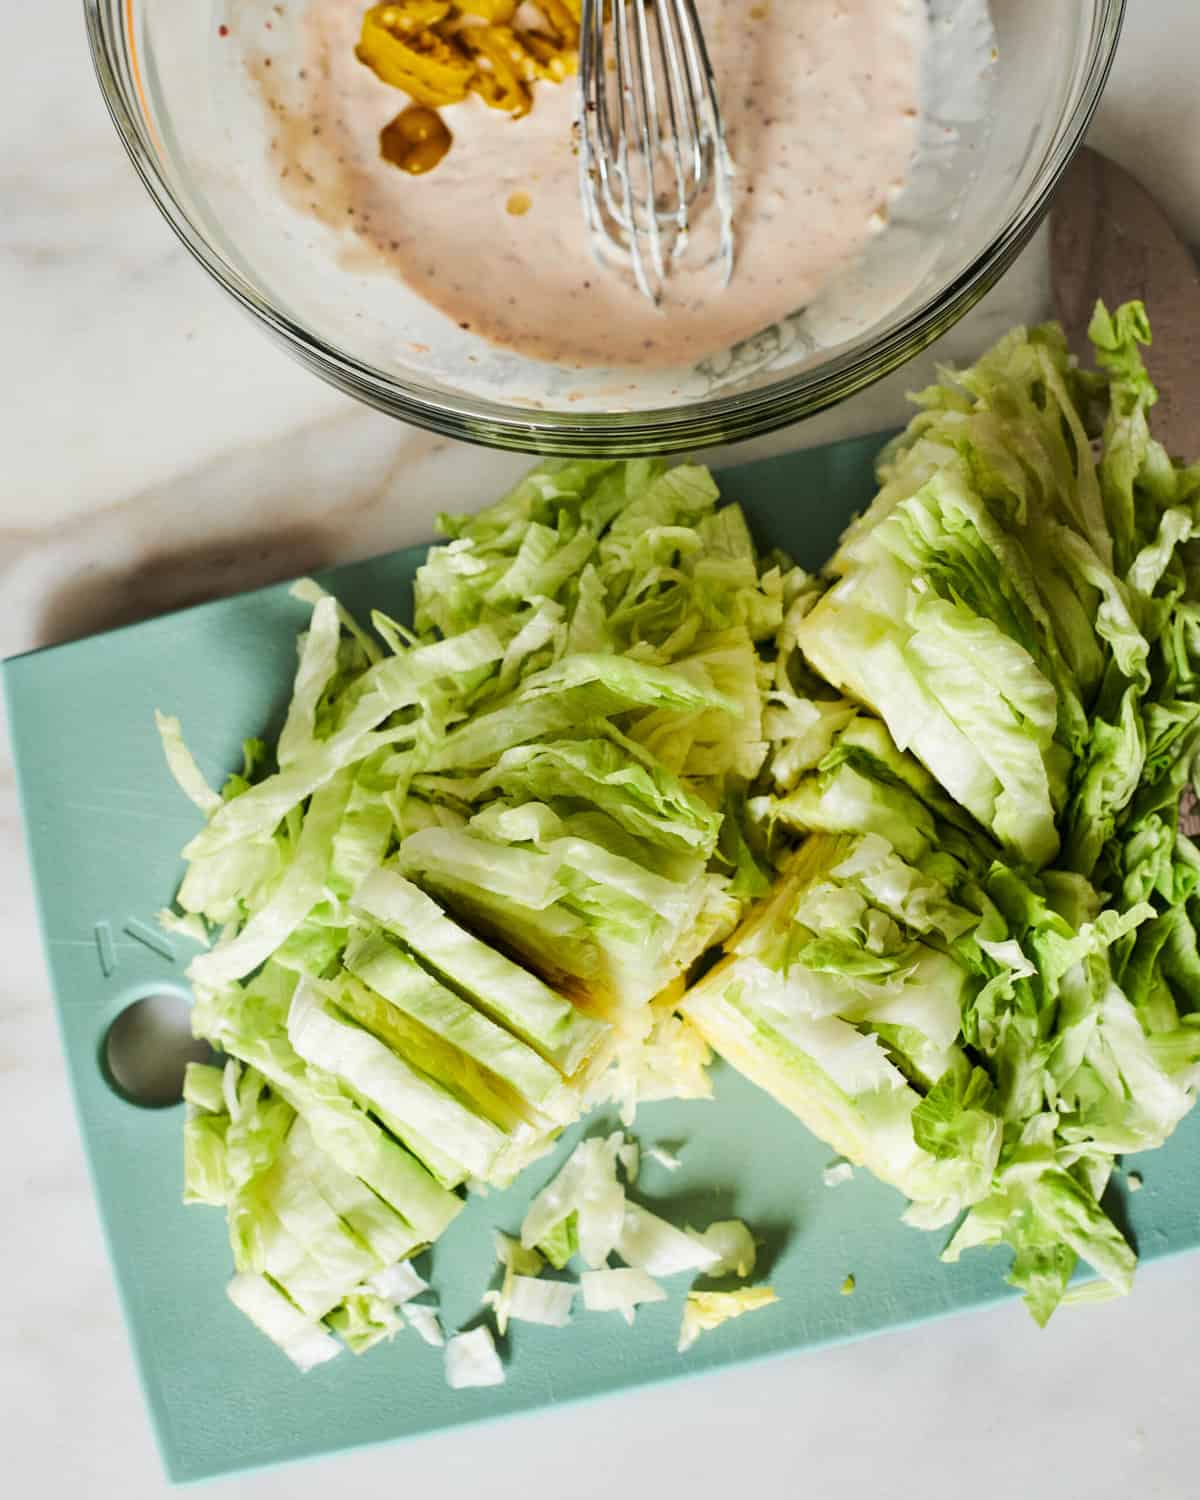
105,824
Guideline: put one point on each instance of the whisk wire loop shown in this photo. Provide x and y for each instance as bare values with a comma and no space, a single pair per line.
652,152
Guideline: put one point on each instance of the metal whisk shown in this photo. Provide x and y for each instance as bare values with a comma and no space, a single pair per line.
652,152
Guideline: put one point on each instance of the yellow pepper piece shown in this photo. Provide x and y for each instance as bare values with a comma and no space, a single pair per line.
399,45
438,52
501,81
550,61
415,141
403,16
562,16
497,11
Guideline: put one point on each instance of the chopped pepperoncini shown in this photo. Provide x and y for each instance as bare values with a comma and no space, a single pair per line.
438,52
400,45
416,140
497,11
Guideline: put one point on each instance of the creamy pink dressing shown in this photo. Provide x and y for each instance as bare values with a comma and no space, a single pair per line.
820,99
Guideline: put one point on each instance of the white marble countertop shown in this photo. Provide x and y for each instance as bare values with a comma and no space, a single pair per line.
157,450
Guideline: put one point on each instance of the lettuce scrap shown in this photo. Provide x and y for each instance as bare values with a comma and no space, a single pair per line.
704,1311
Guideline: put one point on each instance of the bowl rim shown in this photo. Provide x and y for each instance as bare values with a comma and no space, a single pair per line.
717,419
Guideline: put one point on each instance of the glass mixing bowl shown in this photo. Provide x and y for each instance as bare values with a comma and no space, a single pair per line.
1005,108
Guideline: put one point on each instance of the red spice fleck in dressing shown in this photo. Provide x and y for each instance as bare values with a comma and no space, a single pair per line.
821,105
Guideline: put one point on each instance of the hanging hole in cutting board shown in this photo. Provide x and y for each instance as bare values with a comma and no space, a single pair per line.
148,1047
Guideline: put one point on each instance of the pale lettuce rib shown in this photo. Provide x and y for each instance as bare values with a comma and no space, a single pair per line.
389,1236
403,983
410,1103
508,993
303,1245
305,1341
348,1134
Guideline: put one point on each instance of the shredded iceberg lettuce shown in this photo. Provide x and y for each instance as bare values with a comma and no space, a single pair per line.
455,901
900,841
976,971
